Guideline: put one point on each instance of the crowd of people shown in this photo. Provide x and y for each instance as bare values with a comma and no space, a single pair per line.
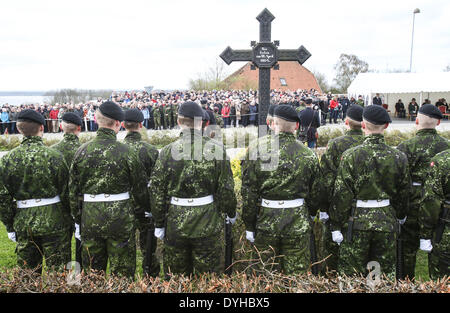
237,108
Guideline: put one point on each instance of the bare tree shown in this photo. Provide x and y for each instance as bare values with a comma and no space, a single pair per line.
321,80
347,68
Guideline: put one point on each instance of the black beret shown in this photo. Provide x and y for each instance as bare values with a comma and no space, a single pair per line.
431,111
133,115
271,109
112,110
286,112
376,115
308,101
355,112
72,118
190,109
30,115
212,118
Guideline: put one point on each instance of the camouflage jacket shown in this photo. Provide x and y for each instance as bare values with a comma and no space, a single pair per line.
419,150
371,171
285,173
437,191
34,171
193,166
148,154
105,165
68,146
219,120
329,162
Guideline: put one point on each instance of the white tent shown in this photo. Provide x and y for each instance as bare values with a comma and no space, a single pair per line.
404,86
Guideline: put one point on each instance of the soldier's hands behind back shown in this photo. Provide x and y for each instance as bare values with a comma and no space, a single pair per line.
425,245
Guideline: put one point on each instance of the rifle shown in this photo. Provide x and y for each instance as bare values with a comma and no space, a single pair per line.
77,241
351,221
399,263
228,247
148,260
442,220
312,249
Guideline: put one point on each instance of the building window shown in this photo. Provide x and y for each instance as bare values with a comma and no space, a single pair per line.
283,82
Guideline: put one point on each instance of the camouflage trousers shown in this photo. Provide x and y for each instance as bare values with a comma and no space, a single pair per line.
55,248
193,255
290,255
368,246
158,123
121,253
146,230
410,243
439,258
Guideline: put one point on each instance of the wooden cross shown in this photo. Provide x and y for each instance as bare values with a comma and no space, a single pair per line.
265,55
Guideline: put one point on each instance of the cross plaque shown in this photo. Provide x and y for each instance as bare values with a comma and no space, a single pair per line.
265,55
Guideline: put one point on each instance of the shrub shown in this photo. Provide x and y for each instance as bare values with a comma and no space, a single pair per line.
17,280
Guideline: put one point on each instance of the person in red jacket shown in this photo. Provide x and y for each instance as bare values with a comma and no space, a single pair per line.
54,117
334,109
226,114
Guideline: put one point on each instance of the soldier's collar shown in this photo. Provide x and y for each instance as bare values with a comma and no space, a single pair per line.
374,139
71,137
133,135
106,133
32,139
426,131
354,132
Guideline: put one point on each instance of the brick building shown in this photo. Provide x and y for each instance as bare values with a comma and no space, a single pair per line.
290,76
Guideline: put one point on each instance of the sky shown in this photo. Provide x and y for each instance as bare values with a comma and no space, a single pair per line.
97,44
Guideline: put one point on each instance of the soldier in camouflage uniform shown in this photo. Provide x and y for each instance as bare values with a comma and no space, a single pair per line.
370,199
434,216
419,150
34,198
280,197
166,115
157,116
71,126
106,172
192,189
148,155
329,165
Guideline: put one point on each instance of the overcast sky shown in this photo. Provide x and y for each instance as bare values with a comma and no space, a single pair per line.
135,43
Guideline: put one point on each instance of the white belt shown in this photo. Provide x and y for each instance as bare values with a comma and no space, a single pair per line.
372,203
192,201
282,204
23,204
103,197
416,184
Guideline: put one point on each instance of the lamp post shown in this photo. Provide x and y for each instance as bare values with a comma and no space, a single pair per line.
412,39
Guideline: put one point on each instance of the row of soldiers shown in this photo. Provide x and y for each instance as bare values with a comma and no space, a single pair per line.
361,187
164,116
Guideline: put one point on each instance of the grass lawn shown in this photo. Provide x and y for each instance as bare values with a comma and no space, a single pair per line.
8,257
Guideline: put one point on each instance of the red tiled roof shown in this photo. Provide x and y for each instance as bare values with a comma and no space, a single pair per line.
295,75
